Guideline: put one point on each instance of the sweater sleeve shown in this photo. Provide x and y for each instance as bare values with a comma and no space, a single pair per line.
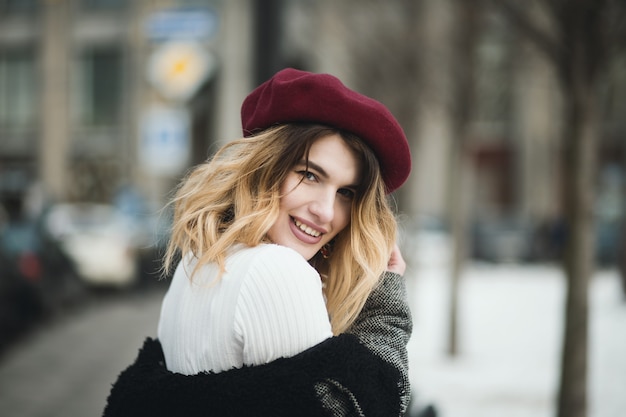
281,310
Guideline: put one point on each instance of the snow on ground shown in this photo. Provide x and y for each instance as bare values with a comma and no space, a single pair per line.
510,335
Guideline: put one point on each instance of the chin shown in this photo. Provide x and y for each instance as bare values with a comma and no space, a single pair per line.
306,253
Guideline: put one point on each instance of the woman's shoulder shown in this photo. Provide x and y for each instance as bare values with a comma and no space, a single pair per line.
271,256
271,266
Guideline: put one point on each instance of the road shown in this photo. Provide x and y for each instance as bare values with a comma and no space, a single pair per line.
510,334
66,369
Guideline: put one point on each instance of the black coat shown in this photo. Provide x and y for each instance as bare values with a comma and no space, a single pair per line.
363,372
341,366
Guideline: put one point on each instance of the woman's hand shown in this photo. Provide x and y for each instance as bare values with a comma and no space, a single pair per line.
396,262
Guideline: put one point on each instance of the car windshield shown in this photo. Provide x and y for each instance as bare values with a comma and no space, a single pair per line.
85,218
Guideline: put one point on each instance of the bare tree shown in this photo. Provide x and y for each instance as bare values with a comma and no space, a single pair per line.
579,41
467,31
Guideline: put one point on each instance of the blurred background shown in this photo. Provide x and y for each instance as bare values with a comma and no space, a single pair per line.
515,116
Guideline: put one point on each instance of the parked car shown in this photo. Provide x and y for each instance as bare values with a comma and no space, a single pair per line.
152,244
21,305
502,240
426,242
152,230
100,240
36,278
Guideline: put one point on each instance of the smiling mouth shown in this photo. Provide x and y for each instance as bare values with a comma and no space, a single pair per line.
306,229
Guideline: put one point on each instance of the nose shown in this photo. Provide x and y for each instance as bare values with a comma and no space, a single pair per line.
323,206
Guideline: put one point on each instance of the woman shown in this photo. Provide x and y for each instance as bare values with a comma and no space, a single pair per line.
289,298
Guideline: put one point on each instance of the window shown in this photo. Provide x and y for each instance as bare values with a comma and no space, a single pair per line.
98,100
101,5
615,92
18,102
17,6
493,82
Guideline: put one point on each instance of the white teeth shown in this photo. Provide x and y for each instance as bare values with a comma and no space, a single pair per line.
306,229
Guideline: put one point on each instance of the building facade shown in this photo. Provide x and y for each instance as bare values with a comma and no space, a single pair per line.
100,94
81,80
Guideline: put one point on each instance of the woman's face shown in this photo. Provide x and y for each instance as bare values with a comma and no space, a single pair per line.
317,199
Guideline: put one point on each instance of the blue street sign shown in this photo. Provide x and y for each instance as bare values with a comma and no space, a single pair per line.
182,23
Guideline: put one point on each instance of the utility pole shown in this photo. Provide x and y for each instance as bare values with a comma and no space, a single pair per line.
267,32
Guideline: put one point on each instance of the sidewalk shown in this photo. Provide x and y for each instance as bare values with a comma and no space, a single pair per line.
510,342
66,369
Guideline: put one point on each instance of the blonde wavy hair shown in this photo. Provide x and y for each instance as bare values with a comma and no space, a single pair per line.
234,198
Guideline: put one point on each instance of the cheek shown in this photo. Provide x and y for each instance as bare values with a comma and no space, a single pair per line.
342,216
289,185
289,195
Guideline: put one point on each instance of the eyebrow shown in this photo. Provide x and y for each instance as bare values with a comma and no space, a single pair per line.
310,164
322,172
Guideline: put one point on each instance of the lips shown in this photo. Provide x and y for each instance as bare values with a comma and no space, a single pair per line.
305,233
307,229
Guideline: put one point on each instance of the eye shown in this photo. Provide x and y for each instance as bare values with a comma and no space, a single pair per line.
346,193
307,175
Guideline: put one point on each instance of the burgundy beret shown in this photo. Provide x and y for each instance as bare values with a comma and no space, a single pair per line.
298,96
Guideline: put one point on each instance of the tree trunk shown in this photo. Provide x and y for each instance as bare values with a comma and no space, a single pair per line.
579,162
579,66
468,13
459,215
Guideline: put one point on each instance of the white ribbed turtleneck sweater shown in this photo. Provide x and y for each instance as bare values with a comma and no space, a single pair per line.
268,304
